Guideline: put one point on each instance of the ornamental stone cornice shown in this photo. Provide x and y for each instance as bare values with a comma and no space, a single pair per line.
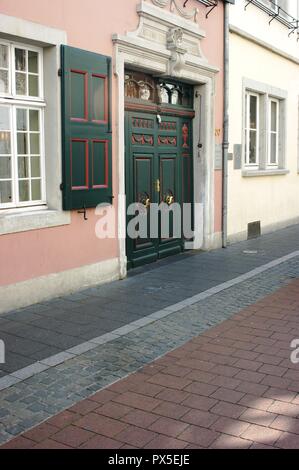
172,43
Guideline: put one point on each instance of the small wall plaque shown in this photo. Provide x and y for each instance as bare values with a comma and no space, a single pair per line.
237,157
218,157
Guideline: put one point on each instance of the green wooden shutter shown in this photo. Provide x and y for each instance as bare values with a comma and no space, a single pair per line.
86,128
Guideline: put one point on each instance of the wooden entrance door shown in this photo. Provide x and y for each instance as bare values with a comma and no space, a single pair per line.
158,169
158,129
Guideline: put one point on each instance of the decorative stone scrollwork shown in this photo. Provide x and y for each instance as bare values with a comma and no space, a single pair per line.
174,6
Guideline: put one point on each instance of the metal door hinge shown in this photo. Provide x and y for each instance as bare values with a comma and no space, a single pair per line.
59,72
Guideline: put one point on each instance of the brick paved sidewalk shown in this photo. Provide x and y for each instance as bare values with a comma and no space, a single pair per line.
232,387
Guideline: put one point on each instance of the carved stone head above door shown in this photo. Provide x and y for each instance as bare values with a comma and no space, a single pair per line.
175,45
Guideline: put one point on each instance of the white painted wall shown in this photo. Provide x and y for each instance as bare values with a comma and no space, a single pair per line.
272,199
255,22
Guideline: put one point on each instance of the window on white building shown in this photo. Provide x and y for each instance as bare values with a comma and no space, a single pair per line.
252,130
264,135
273,132
22,173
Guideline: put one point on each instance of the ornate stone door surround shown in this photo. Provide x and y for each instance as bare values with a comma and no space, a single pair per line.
169,44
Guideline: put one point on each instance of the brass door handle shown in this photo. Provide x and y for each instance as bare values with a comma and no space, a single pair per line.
157,186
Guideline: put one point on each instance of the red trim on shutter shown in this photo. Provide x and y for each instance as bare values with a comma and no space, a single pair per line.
105,121
106,184
79,188
85,119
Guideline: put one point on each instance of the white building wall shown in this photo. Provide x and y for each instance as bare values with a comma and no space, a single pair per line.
272,199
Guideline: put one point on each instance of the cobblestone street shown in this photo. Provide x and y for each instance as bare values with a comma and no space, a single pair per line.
211,370
234,386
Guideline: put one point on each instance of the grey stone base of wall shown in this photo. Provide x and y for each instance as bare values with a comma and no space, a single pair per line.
242,236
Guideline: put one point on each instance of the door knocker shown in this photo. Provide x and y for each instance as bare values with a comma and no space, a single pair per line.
169,198
145,200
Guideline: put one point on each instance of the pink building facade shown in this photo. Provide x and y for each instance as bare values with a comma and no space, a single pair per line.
47,248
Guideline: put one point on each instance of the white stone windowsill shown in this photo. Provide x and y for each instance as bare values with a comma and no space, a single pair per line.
29,219
269,172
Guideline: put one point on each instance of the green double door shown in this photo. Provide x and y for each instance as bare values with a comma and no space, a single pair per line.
158,169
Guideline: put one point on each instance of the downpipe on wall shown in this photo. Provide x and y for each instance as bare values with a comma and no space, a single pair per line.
225,143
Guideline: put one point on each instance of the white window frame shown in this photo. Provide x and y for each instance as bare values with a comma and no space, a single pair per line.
270,132
49,39
248,129
9,93
14,101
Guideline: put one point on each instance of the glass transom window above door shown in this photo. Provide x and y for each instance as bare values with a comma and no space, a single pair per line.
142,87
22,178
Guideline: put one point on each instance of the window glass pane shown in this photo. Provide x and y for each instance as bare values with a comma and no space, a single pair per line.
34,144
4,81
23,167
32,62
20,55
273,159
24,194
164,96
5,167
21,87
22,143
22,124
253,112
3,56
5,192
36,190
252,147
4,118
34,120
35,167
246,147
175,97
5,148
33,85
273,116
